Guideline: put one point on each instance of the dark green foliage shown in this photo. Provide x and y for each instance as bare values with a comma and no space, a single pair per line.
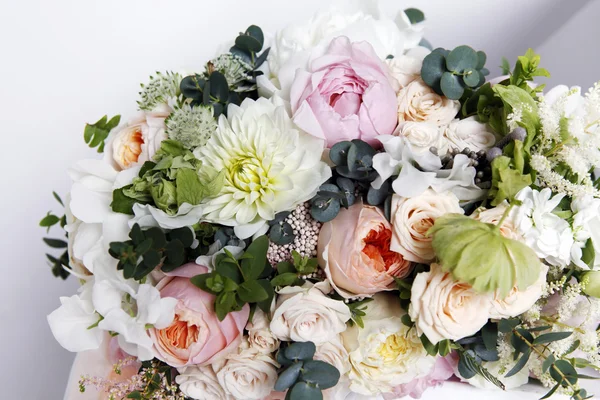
95,134
289,273
58,264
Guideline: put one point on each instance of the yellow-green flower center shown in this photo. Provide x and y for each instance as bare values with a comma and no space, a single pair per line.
394,346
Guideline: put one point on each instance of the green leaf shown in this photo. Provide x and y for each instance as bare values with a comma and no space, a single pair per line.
505,66
519,344
49,221
285,266
121,203
57,197
520,364
451,86
481,59
548,363
568,371
248,43
256,33
414,15
254,266
252,292
550,393
471,77
489,333
200,281
265,305
288,377
444,348
518,98
224,304
184,235
219,88
285,279
589,253
95,134
300,351
434,66
189,188
282,234
339,153
430,348
304,391
551,337
476,253
320,373
56,243
462,58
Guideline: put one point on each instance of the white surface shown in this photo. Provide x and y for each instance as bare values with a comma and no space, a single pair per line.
64,63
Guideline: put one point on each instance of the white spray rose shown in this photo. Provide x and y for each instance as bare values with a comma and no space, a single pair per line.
306,314
443,308
386,353
469,133
418,102
247,374
406,68
260,336
422,136
200,383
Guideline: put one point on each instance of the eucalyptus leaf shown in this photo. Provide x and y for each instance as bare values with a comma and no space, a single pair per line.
288,377
300,351
339,153
304,391
462,58
451,86
320,373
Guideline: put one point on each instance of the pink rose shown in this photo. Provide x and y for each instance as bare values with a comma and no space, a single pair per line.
441,372
354,249
196,336
346,94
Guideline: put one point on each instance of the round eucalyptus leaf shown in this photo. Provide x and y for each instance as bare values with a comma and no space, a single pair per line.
376,197
426,43
338,154
434,65
282,359
256,33
282,234
360,154
320,373
442,51
300,351
347,187
482,58
451,86
248,43
325,210
304,391
288,377
219,88
279,217
484,71
471,77
461,58
243,53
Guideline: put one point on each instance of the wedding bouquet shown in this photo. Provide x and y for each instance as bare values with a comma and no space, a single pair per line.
337,211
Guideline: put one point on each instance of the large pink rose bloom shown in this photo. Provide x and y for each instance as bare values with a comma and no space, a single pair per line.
346,94
196,336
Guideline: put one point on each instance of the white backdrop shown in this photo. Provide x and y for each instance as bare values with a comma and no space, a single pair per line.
64,63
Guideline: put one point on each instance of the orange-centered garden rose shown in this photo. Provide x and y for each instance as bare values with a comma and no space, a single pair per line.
354,250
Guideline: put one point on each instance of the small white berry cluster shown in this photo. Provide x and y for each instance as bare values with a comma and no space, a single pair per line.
306,234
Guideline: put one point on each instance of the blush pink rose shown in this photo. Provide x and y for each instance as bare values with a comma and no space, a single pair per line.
443,370
196,336
345,94
354,249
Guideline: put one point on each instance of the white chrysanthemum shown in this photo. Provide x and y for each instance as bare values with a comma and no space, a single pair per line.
270,166
192,126
160,89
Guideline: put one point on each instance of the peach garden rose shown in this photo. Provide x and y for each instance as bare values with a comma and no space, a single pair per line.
196,336
354,249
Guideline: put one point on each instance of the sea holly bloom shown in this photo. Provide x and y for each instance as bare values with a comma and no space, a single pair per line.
354,250
270,166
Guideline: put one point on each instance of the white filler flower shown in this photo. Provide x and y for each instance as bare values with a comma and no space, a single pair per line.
270,166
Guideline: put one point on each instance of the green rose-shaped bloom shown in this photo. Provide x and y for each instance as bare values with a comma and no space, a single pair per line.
476,253
164,194
592,283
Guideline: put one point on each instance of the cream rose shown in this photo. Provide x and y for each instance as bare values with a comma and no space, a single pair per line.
137,141
518,301
306,314
260,336
418,102
247,374
334,353
468,132
200,383
509,228
406,68
354,250
443,308
413,217
386,353
422,136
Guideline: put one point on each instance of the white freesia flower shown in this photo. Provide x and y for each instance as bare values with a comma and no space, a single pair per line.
406,68
422,136
399,159
306,314
443,308
495,368
586,225
148,216
72,322
247,374
200,383
469,133
518,301
359,20
420,103
260,336
385,353
270,166
549,235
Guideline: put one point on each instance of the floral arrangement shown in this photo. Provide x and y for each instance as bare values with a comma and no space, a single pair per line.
337,211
